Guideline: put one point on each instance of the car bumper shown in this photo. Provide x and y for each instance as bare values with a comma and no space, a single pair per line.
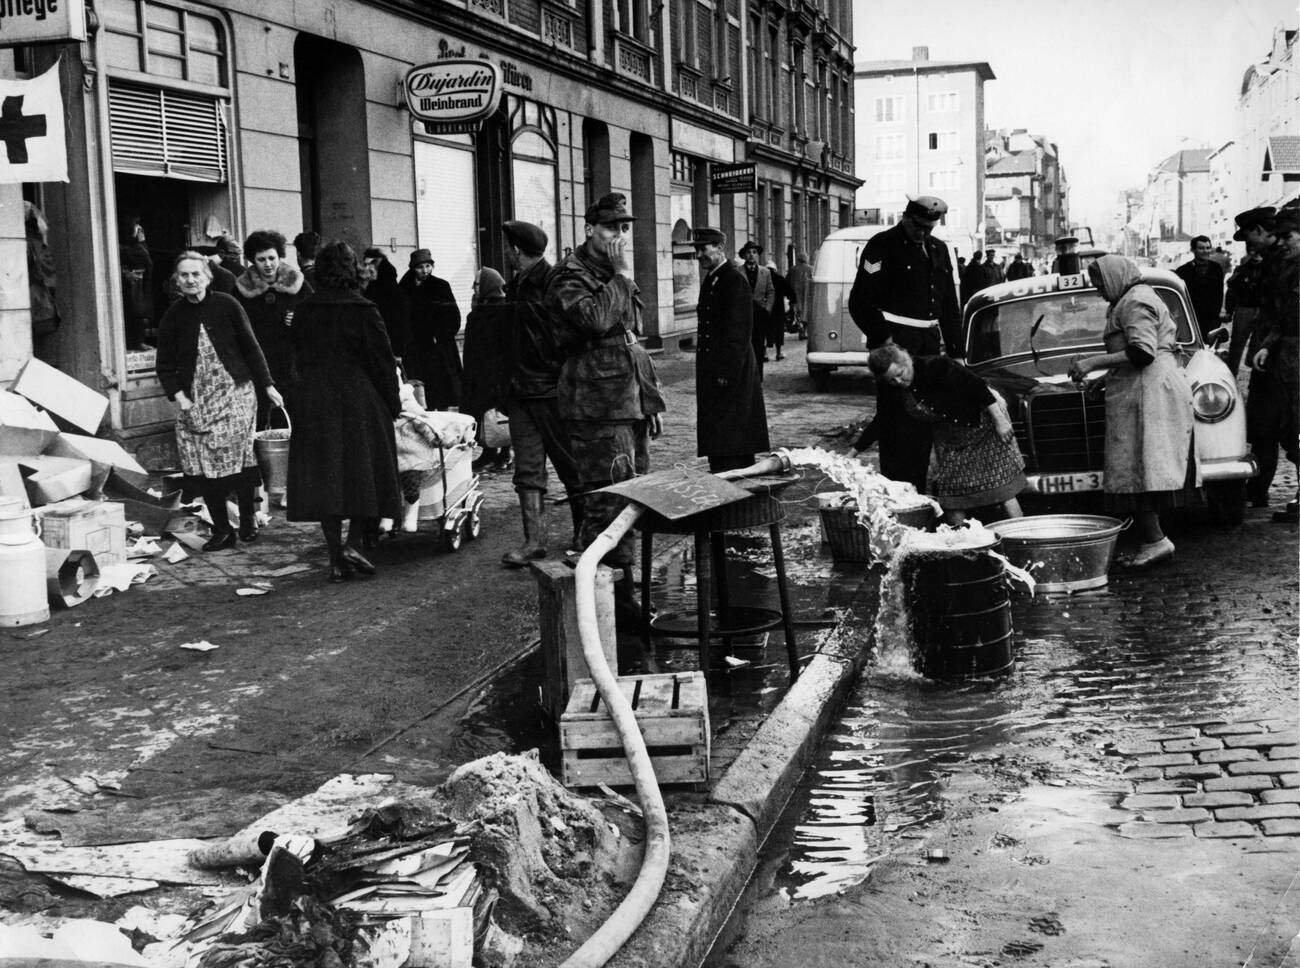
846,358
1212,472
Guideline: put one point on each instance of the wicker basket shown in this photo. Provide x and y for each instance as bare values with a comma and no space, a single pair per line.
850,540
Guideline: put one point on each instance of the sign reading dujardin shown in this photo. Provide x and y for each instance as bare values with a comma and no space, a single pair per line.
452,91
39,21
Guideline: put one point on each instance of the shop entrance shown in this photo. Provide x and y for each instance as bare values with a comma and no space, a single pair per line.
154,227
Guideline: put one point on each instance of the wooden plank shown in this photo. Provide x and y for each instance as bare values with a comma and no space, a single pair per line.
693,768
661,732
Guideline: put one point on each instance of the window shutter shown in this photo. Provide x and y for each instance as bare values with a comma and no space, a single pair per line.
446,215
167,133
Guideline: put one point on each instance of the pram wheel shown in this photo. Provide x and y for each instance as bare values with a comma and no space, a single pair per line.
455,536
475,525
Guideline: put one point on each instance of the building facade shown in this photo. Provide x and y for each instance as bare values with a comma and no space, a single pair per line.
921,132
203,121
1026,193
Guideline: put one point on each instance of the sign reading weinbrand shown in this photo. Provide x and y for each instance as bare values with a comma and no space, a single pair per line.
450,91
39,21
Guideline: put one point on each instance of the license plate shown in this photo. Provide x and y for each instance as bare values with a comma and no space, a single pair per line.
1070,483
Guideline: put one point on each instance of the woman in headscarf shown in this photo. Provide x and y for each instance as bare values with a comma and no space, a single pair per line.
488,342
208,363
976,461
1150,454
343,461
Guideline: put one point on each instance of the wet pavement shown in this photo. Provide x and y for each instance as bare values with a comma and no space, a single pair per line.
1153,721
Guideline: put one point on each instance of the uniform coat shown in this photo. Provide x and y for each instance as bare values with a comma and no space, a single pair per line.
912,280
731,418
343,456
432,354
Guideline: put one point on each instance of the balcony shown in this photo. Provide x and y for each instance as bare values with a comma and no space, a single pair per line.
633,58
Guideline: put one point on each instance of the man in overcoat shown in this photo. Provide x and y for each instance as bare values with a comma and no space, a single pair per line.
731,419
1203,278
904,291
763,292
435,321
608,391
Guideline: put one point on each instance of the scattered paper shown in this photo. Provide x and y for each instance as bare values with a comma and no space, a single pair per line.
175,554
121,577
735,663
189,539
143,548
104,887
254,588
203,646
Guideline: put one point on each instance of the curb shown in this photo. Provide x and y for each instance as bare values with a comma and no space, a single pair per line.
717,838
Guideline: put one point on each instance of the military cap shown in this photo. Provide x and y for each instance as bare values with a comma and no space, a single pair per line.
1287,220
419,257
749,246
708,236
1252,218
609,208
526,236
927,207
1066,240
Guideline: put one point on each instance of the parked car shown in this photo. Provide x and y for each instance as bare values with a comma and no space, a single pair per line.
1022,336
834,340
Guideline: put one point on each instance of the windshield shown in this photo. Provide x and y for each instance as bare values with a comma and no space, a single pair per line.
1051,323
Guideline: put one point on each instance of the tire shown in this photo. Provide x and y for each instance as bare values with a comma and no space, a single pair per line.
1227,502
821,378
475,526
454,537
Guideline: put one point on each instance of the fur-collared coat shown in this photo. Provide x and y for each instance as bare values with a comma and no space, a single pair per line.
270,307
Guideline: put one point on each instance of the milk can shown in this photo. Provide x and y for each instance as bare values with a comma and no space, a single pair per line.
23,598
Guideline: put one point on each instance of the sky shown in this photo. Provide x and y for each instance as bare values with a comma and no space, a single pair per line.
1118,85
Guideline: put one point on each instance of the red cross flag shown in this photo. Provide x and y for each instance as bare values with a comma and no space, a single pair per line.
33,147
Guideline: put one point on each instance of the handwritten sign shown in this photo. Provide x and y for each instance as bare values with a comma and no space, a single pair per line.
678,493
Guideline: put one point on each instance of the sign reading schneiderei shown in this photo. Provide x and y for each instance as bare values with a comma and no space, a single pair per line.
678,493
453,90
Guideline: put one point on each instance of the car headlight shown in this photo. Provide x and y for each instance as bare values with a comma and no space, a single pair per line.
832,335
1213,401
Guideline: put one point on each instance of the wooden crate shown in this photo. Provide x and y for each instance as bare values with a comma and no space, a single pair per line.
673,713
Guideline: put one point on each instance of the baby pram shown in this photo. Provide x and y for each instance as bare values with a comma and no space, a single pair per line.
435,450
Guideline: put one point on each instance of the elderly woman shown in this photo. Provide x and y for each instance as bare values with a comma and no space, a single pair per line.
488,342
269,290
343,462
208,363
1150,454
976,462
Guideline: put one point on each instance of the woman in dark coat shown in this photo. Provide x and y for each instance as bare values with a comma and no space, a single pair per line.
435,321
488,340
270,290
380,286
976,461
343,459
731,418
208,363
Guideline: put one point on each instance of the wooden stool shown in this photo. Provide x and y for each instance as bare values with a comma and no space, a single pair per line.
709,529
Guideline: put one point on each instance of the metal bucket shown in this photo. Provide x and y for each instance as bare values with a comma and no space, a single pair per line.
272,448
960,613
1064,552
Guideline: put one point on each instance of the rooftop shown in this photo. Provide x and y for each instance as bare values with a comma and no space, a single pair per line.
1283,154
883,67
1020,163
1187,160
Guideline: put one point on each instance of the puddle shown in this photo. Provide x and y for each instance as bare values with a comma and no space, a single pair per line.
1089,667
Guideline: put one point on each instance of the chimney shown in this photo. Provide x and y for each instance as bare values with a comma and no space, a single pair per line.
920,53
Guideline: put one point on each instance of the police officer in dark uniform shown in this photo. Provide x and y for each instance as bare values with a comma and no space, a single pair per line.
1254,227
1067,256
904,292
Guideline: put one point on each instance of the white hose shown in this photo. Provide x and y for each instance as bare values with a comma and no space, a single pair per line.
627,917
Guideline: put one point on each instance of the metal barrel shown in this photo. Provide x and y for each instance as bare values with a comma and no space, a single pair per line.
961,615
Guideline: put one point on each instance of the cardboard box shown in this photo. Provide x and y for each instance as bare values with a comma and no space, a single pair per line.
61,395
51,479
95,526
11,482
156,512
24,430
104,454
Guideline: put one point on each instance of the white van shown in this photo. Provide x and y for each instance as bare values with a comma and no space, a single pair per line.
834,340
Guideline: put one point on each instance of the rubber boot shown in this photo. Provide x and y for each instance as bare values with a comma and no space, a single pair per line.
1257,487
534,546
575,511
627,605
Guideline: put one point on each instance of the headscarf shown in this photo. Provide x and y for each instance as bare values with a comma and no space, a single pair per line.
490,285
1116,275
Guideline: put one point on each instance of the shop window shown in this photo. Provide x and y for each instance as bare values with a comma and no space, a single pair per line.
446,214
533,173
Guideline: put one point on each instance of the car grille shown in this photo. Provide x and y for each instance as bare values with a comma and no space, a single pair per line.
1065,432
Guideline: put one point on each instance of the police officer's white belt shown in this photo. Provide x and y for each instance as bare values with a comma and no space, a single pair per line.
909,321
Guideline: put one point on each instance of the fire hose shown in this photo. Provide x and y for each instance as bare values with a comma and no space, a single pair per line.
627,917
